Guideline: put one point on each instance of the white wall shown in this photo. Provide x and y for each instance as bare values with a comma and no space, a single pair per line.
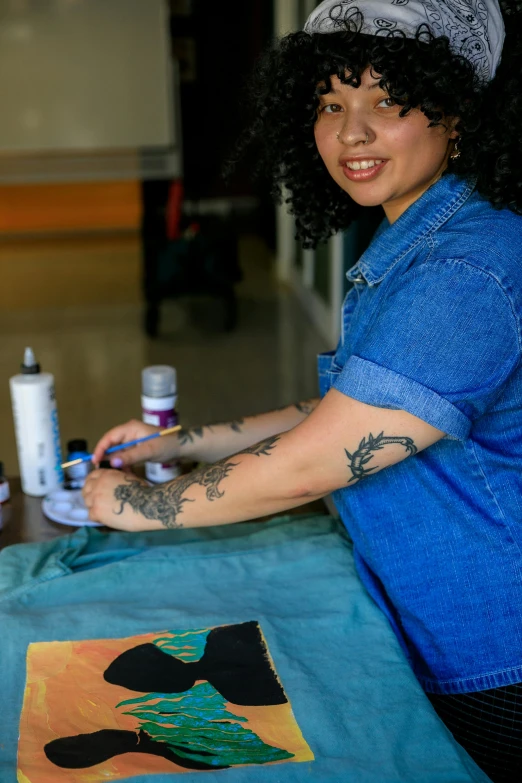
84,75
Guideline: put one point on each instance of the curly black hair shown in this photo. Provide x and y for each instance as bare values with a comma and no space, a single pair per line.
416,72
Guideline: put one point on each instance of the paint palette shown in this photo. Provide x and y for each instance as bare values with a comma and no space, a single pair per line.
67,507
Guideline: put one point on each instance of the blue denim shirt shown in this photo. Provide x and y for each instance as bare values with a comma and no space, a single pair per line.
432,326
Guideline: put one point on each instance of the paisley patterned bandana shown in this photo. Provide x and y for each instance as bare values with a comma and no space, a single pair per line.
474,27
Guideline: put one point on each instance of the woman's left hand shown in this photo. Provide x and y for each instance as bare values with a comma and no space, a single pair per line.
101,498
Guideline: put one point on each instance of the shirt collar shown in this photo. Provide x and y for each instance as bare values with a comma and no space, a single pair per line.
392,242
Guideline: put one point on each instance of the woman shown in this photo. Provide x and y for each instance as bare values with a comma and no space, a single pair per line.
413,105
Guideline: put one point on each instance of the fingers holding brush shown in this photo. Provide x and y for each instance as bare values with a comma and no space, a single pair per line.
124,433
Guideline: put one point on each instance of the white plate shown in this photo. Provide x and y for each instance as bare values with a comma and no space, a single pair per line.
66,506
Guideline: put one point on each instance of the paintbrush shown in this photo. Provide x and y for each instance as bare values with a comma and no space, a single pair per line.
120,446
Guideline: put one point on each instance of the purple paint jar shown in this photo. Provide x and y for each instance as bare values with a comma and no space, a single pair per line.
158,403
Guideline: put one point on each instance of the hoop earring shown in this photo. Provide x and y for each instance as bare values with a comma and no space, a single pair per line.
456,151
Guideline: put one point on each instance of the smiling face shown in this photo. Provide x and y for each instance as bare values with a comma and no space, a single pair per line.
402,156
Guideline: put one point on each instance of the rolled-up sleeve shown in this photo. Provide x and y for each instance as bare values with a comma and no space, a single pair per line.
441,346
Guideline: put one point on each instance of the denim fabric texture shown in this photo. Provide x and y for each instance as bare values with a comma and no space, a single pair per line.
433,327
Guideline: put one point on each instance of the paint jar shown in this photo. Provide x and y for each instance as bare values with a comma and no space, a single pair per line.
158,403
76,474
36,428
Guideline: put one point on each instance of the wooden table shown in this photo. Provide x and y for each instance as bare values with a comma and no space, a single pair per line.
25,522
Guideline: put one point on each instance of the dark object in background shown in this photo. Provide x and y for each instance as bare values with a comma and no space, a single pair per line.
154,197
75,475
217,50
203,260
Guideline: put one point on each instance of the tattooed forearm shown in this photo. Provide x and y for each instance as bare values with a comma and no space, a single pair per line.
264,448
233,425
306,407
165,502
188,436
360,458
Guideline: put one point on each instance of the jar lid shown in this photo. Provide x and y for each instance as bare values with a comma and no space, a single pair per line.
78,444
158,381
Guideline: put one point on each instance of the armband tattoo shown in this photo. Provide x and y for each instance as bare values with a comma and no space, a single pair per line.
360,458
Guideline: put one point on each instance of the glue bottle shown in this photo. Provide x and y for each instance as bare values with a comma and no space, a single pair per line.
158,402
36,428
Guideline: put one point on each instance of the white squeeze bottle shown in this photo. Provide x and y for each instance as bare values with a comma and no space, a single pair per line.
158,403
36,428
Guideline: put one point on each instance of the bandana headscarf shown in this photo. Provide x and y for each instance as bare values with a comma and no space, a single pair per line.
474,27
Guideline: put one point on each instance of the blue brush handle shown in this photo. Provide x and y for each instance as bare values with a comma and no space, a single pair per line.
121,446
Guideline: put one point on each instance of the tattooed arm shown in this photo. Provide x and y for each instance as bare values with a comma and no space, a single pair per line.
341,442
202,444
213,442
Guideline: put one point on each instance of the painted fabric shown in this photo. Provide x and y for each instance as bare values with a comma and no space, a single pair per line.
144,657
208,699
433,326
474,27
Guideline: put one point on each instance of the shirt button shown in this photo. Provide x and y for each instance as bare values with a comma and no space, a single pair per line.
358,279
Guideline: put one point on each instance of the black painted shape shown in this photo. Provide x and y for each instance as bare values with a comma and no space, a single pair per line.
87,750
147,669
235,662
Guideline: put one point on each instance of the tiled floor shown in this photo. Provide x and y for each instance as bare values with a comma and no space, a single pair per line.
96,348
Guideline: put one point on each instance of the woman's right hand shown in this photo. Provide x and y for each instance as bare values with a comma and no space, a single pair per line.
156,450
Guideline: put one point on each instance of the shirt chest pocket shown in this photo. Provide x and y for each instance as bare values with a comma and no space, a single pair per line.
330,363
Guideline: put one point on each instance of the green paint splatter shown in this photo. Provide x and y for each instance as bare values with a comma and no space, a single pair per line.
197,724
187,645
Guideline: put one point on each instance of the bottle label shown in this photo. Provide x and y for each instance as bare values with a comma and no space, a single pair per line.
163,419
159,404
158,474
160,413
77,473
58,472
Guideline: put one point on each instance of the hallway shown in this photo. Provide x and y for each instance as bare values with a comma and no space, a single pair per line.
96,348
